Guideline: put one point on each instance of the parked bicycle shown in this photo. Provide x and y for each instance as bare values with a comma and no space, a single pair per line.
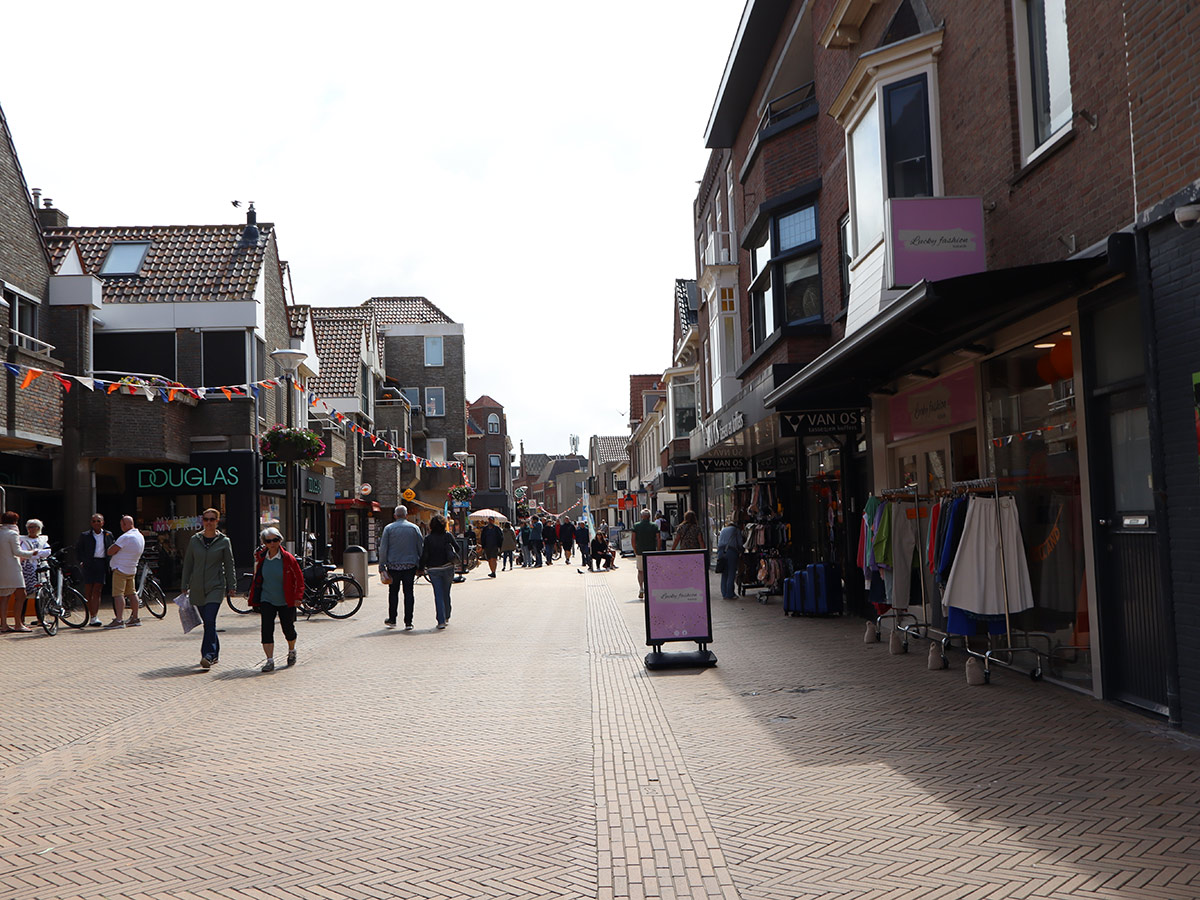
150,593
337,596
56,599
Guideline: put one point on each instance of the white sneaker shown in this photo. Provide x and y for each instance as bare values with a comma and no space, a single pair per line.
95,622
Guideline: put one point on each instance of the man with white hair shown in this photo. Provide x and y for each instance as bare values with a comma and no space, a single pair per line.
645,538
126,551
400,548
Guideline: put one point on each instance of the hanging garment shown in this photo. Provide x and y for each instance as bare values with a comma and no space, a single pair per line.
882,544
935,515
954,529
910,524
978,579
866,549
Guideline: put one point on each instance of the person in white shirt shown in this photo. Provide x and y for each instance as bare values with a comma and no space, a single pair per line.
125,553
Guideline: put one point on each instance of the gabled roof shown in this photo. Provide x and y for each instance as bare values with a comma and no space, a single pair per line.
407,311
638,384
58,248
485,400
185,263
555,467
298,320
611,448
338,333
473,429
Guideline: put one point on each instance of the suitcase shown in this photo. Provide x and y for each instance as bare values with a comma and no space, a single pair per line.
823,593
793,594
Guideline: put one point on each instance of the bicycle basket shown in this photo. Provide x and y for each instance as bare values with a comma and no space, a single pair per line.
314,575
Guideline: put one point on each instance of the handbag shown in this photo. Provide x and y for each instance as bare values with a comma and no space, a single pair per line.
189,616
722,563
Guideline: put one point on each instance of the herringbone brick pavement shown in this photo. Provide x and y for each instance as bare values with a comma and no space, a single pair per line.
525,752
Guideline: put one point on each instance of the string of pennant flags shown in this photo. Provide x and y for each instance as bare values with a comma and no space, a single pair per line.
1047,430
167,393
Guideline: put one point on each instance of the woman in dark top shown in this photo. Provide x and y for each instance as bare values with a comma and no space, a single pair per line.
437,561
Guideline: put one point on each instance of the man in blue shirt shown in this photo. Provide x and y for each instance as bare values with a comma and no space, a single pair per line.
535,542
400,548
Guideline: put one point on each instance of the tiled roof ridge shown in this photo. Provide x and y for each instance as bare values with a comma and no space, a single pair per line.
485,400
68,230
383,303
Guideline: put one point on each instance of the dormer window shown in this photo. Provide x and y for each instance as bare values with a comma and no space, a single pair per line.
125,258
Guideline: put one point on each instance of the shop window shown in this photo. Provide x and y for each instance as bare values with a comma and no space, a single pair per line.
1031,445
495,473
143,352
224,357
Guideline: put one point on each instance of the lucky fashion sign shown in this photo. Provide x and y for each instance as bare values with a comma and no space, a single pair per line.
939,404
677,600
933,238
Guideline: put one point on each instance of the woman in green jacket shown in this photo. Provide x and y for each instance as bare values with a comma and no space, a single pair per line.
208,575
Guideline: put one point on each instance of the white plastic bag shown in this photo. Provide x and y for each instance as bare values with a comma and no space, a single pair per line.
189,616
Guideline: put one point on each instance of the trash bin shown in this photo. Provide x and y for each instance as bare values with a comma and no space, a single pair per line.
354,563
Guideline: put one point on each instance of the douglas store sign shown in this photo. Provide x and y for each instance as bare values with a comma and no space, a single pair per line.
209,473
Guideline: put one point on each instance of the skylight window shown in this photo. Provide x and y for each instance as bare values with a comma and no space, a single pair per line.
125,258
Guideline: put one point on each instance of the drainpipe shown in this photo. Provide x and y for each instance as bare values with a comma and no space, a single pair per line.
1158,468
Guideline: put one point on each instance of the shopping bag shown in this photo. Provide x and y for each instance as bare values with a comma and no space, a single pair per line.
189,616
384,577
721,563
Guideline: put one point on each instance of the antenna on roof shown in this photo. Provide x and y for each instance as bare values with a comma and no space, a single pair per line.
574,445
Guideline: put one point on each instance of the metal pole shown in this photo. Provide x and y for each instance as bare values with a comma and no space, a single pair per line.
289,519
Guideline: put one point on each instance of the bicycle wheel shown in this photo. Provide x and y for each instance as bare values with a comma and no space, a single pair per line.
241,606
153,600
73,608
472,560
341,596
47,609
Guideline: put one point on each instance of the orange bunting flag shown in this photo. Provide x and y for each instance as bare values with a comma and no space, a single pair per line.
171,393
30,374
113,387
227,392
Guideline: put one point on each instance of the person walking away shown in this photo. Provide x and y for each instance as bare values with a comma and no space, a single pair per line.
208,575
490,539
566,537
124,555
438,558
664,530
581,538
508,543
526,544
549,538
33,539
645,539
12,581
688,535
399,552
91,552
535,542
276,590
729,547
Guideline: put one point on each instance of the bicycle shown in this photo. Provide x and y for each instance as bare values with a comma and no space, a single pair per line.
150,593
337,596
56,599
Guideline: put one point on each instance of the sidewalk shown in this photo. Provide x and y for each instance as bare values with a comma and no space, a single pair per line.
526,752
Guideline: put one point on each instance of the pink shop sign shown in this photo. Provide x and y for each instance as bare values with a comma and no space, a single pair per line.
940,404
931,238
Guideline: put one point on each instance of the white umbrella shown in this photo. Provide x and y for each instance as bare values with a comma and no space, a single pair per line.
484,514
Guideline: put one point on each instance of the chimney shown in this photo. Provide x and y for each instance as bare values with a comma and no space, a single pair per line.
250,235
48,216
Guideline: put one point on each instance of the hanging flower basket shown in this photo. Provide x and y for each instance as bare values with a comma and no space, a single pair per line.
282,444
461,492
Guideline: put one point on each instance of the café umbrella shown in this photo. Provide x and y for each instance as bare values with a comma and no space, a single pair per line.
482,515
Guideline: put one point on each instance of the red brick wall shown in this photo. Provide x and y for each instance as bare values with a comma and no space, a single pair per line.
1164,87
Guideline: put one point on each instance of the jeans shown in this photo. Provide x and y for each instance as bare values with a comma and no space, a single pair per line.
536,547
401,578
549,551
506,560
729,576
209,645
441,577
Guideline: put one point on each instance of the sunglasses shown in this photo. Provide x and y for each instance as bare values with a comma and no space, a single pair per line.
209,519
271,541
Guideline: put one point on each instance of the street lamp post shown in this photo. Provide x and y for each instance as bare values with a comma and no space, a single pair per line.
290,360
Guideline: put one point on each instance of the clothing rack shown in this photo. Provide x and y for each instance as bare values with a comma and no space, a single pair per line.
911,491
989,656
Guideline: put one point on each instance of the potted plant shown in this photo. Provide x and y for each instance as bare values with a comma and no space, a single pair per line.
461,492
283,444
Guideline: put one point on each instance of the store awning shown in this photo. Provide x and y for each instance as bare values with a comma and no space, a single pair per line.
928,321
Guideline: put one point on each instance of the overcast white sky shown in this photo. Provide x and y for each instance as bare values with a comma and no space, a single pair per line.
529,167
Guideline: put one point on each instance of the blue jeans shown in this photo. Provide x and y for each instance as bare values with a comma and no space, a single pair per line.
729,576
209,645
441,577
506,559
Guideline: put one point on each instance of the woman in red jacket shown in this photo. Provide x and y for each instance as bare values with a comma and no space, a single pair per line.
276,590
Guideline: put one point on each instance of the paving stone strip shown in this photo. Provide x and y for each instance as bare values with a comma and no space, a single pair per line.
654,836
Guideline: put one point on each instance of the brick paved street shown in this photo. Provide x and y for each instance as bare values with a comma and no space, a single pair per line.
525,752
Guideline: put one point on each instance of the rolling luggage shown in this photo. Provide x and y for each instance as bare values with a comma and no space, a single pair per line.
793,594
823,590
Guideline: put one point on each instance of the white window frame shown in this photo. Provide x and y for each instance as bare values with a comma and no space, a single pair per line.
441,343
469,463
428,414
493,419
862,95
498,468
436,448
1030,148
